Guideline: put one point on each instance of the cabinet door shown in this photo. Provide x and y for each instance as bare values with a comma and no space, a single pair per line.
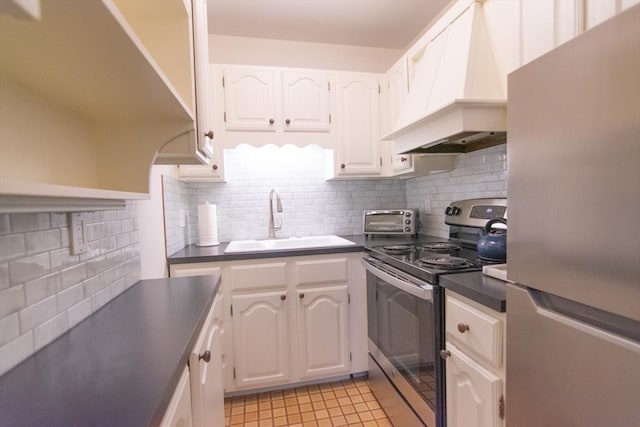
249,99
204,132
358,124
473,393
397,87
205,363
179,410
260,339
323,331
305,101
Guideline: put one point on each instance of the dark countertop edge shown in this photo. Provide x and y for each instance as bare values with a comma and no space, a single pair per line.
484,290
44,357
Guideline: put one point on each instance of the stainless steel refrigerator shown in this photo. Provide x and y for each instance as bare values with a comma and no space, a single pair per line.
573,318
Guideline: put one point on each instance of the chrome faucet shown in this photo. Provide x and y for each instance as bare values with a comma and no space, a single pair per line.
272,227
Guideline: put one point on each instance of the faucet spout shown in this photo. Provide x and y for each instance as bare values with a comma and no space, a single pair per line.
272,226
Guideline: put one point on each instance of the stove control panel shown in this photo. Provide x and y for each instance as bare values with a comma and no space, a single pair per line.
475,212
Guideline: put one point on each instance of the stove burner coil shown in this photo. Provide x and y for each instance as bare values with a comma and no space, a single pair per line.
443,247
445,262
398,249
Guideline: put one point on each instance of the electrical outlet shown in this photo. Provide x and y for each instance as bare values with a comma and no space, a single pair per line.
77,229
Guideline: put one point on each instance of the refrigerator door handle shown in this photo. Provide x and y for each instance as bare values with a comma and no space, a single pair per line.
615,329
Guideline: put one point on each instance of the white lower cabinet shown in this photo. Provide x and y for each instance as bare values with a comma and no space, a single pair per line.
205,366
323,331
292,319
198,400
179,410
475,363
260,338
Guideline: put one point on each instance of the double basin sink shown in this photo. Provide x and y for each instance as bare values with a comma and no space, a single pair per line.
308,242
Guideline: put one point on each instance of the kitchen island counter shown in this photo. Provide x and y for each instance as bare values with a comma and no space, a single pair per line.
478,287
118,367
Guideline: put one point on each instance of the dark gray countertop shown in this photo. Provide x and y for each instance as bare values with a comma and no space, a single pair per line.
476,286
118,367
193,253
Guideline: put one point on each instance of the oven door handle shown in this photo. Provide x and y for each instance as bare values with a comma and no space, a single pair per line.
423,291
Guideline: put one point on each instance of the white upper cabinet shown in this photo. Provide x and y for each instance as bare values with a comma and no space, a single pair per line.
358,151
249,99
89,128
268,105
305,101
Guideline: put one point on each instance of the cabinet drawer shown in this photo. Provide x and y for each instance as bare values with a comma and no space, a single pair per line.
474,330
334,270
268,275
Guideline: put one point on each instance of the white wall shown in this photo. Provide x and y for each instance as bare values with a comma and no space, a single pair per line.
151,226
281,53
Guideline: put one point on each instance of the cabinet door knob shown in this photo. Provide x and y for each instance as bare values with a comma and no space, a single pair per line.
209,134
301,296
463,327
287,121
403,159
271,121
343,166
444,354
206,356
283,297
214,167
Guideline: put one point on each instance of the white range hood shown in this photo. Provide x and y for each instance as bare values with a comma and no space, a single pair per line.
455,102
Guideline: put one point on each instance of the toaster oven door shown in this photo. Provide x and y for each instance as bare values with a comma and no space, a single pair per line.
384,222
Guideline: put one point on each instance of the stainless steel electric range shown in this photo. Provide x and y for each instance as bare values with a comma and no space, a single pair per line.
405,307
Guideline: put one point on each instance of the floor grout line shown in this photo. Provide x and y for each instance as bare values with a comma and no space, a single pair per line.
336,404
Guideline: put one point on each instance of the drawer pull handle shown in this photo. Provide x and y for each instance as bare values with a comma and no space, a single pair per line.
444,354
283,297
301,296
206,356
463,327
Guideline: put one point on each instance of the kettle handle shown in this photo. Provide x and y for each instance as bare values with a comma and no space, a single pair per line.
489,224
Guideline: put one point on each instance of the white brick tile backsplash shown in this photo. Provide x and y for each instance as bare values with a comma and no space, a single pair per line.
11,247
79,312
44,290
29,222
15,351
4,224
4,276
99,299
12,300
70,297
28,268
50,330
37,313
9,328
42,241
73,275
41,288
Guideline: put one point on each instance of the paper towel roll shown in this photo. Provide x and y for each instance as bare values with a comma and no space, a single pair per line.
207,225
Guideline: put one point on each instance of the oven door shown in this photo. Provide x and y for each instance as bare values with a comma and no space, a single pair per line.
402,328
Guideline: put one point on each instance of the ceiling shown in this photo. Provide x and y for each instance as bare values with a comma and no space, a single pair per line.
375,23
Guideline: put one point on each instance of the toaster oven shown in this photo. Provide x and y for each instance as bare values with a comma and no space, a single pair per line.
391,221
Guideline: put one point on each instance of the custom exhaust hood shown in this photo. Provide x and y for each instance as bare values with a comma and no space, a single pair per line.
455,103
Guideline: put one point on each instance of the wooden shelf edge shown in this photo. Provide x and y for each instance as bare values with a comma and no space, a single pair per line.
19,197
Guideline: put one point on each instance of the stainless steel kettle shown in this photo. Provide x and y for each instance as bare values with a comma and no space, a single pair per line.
492,245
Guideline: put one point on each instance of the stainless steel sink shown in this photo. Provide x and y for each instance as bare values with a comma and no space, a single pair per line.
308,242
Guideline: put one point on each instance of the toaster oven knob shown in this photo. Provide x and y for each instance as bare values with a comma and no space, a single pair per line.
408,221
407,229
407,214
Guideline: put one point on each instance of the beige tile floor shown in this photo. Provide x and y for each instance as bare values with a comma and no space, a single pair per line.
341,403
